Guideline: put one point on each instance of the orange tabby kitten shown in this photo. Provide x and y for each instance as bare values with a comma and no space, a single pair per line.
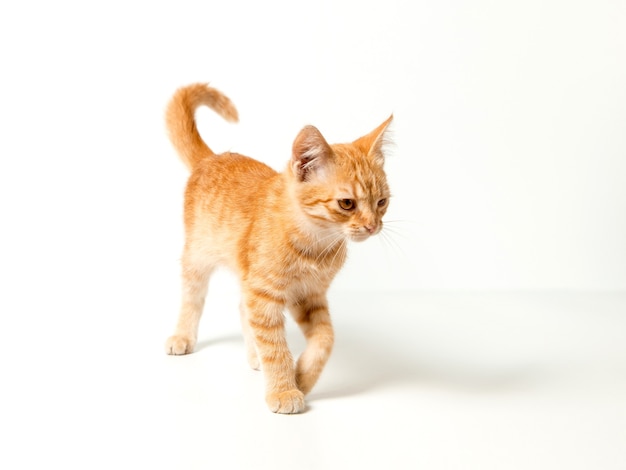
283,234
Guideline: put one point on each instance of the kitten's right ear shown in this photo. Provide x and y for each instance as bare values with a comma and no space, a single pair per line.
311,153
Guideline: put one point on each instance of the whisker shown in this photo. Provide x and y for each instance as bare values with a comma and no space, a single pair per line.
396,229
342,244
396,232
336,238
388,241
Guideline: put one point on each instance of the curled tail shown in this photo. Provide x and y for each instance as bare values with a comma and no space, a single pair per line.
181,122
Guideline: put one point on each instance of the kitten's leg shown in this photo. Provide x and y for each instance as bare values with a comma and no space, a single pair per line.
194,288
267,322
313,318
248,336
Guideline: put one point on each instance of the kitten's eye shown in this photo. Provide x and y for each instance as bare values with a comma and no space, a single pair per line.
347,204
382,203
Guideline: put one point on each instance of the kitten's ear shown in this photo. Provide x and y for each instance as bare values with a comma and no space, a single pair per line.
372,143
311,153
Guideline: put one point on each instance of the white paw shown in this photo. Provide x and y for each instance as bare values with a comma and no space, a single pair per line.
178,345
253,359
289,402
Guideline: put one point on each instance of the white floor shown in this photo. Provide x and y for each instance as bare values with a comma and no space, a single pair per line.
445,380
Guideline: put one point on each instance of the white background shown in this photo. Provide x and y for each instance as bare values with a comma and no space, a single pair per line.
510,153
508,174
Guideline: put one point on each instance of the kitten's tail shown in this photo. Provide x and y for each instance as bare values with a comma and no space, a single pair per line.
181,122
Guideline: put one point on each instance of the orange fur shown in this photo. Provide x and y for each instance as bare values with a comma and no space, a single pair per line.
283,234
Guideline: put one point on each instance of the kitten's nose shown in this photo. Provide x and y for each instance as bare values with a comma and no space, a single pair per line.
371,228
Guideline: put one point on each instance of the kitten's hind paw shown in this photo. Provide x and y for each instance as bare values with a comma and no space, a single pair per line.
178,345
253,359
289,402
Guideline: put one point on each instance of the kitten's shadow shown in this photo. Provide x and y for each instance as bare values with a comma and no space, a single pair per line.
207,343
363,364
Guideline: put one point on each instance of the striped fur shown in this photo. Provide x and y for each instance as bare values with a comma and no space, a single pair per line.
284,235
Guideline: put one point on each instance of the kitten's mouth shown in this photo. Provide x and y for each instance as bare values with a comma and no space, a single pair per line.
360,236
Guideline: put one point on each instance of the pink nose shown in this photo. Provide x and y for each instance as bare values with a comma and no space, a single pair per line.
370,228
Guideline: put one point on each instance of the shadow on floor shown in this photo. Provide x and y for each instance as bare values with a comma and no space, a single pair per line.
364,363
207,343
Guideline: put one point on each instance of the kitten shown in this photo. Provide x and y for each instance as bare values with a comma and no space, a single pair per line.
283,234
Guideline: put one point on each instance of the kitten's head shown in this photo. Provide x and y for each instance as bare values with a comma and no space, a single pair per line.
341,188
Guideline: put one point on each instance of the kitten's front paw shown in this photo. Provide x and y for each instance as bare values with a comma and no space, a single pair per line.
289,402
178,345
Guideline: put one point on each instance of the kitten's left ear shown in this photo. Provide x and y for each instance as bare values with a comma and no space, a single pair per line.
311,153
372,143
